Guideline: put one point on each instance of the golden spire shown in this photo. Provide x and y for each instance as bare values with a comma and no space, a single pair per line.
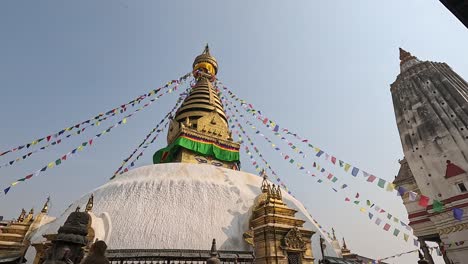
265,185
344,244
77,208
22,215
90,204
333,232
45,208
203,101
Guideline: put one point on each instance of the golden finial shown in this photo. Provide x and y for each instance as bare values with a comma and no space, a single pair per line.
207,49
45,208
265,184
31,212
89,205
77,209
333,232
344,244
278,193
22,215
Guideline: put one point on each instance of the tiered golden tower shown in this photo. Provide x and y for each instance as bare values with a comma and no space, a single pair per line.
199,132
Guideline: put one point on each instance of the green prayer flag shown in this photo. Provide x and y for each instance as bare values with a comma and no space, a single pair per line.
57,162
381,183
438,206
396,232
368,203
291,161
356,202
334,179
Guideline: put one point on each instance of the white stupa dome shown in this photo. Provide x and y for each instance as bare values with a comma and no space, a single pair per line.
177,206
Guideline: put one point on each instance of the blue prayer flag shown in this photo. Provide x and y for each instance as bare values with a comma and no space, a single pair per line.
355,171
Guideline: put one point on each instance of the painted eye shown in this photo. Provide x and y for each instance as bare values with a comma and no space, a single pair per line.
216,163
201,160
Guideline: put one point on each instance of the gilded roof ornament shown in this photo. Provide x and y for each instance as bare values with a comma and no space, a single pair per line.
90,204
45,208
265,185
333,232
22,215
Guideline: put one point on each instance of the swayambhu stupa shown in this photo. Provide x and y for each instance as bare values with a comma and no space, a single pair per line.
193,193
194,196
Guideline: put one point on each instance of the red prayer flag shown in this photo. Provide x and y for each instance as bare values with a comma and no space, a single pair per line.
333,160
386,227
90,141
423,201
357,195
347,199
48,138
28,177
265,120
64,157
330,176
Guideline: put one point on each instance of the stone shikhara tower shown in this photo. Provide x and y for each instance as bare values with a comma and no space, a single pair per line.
431,110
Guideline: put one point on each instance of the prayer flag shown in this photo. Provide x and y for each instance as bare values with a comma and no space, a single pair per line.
371,178
341,163
412,196
28,177
458,213
378,221
347,199
344,186
423,201
437,206
333,160
396,232
329,176
276,128
389,216
405,237
50,165
370,215
381,183
356,202
319,153
355,171
346,167
7,190
386,227
365,174
58,161
363,209
357,195
124,120
334,179
401,191
390,187
368,203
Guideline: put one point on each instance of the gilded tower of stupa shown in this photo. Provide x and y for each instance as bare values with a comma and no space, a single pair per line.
199,132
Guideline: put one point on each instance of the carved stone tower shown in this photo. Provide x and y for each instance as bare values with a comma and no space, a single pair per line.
278,236
431,109
199,132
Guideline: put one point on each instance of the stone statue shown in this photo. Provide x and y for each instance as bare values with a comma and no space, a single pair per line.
67,248
97,254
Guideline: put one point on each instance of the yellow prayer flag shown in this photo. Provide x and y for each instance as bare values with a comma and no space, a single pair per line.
34,142
390,187
68,129
50,165
13,184
98,123
363,209
405,237
124,121
80,148
316,149
346,167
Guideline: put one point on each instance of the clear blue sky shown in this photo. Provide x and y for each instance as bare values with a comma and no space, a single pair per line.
322,68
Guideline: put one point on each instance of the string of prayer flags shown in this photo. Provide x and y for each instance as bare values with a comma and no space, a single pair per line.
155,129
52,164
122,108
270,124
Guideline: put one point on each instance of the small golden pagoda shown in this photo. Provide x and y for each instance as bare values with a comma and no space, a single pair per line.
15,237
277,234
199,132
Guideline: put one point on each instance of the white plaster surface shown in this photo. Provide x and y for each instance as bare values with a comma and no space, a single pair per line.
177,206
